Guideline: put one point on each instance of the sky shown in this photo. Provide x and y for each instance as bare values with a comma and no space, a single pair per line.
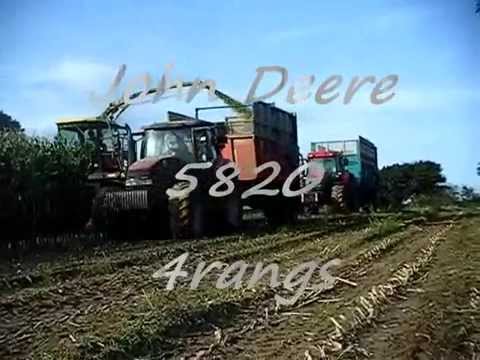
56,54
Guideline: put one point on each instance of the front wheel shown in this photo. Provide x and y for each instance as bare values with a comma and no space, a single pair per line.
187,215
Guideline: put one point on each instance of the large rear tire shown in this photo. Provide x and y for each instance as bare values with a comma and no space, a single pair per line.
339,198
187,215
282,212
344,198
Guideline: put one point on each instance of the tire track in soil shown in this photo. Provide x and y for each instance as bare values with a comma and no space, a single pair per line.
237,250
233,250
361,268
363,312
322,249
438,317
77,304
138,256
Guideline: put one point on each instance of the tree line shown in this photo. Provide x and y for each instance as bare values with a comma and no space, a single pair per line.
402,184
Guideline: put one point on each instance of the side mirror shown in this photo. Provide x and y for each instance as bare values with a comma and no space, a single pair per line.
345,161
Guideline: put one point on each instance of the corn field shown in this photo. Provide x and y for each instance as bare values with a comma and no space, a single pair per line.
42,187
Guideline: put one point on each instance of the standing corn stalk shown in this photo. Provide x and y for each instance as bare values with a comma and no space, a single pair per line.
41,186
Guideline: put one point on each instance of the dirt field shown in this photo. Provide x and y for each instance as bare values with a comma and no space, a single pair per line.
406,289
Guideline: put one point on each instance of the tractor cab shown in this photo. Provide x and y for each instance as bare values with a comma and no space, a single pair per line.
326,163
112,144
191,141
167,146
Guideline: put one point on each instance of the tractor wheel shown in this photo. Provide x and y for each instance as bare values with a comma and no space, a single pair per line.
105,220
117,230
187,216
344,198
311,210
234,213
274,217
100,220
281,212
339,198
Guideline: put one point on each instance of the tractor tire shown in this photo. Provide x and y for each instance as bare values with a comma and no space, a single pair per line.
105,220
339,198
100,221
281,212
233,213
274,217
187,215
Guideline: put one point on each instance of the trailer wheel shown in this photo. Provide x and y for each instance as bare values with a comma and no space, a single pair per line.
274,217
282,212
187,215
234,213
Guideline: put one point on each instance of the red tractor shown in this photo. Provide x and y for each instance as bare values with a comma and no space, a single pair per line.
337,183
154,200
347,172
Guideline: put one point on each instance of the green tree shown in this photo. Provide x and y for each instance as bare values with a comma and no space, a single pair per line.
8,123
399,182
468,193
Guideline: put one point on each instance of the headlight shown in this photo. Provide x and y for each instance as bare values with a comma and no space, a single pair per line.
138,182
112,175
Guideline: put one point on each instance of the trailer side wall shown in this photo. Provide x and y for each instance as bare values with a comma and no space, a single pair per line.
271,135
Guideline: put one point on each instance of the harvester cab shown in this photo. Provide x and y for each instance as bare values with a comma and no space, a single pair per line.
113,146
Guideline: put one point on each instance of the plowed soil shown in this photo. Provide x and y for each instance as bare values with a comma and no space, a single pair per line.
410,290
